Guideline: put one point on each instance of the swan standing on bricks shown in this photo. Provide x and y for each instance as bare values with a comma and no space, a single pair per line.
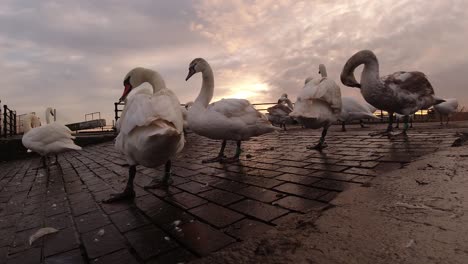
227,119
279,113
352,109
401,92
318,105
446,109
49,139
151,129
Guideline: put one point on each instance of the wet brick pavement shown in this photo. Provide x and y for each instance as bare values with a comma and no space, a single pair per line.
209,206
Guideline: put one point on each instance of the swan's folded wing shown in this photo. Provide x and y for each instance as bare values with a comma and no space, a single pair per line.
412,82
279,109
236,110
143,109
230,107
47,135
323,89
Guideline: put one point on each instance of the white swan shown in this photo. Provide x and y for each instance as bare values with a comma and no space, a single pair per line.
318,105
352,109
401,92
446,109
184,115
227,119
279,113
49,139
151,128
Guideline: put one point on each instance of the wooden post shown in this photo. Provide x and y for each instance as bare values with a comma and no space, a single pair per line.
14,123
5,122
116,110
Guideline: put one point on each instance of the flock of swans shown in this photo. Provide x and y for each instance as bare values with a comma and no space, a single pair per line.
151,127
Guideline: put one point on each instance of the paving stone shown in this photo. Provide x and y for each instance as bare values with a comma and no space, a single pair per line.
9,220
56,208
186,200
97,245
202,238
258,210
83,208
21,241
119,257
362,171
220,197
301,190
294,170
30,221
247,228
216,215
3,254
162,213
265,173
334,185
260,194
62,241
91,221
194,187
231,186
70,257
328,197
304,180
300,204
288,220
111,208
6,236
149,241
128,220
30,256
175,256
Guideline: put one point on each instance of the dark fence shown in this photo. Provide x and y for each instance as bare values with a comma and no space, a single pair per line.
7,122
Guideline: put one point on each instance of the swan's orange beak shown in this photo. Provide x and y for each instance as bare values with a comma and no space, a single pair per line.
127,90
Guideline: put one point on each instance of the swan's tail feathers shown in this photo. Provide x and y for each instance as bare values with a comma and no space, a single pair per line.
75,147
372,116
438,100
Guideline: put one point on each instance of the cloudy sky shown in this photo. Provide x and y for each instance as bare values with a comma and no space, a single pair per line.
73,55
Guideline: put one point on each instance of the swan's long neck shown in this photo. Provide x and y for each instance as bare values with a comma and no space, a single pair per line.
323,70
47,115
27,123
156,81
370,74
207,89
289,103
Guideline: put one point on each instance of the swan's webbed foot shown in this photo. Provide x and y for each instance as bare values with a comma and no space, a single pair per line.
319,146
217,159
158,183
127,194
343,129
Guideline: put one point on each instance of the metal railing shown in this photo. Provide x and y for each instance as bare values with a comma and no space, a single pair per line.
421,116
118,107
92,116
8,122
